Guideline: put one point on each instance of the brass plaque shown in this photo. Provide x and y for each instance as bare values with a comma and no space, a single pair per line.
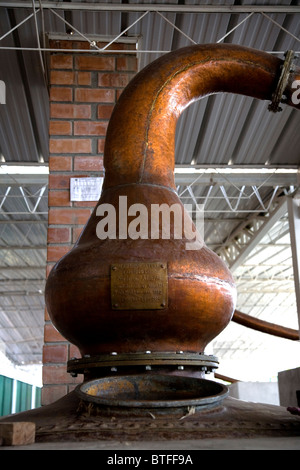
139,286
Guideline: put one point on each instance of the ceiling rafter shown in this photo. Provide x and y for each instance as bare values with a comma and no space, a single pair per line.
240,243
157,7
144,9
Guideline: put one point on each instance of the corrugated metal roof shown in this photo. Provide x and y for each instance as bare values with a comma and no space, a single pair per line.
217,131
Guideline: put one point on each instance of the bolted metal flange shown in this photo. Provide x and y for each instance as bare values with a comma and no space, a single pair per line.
146,360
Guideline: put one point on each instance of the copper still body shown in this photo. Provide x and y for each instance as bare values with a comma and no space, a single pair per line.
142,309
195,290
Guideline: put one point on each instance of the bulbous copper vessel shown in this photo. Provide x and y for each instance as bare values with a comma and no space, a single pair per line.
182,298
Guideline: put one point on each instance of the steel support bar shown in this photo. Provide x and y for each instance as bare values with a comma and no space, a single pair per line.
22,293
32,210
157,7
246,178
22,180
294,223
258,172
17,26
279,212
5,196
21,268
23,248
22,222
183,176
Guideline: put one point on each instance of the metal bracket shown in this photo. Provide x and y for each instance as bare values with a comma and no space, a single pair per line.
282,82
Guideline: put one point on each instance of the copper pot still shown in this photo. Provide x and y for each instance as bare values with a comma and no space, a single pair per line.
127,295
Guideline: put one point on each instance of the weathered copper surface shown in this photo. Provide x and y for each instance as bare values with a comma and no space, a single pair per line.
201,292
139,163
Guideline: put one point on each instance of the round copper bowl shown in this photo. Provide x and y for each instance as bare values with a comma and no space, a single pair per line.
154,392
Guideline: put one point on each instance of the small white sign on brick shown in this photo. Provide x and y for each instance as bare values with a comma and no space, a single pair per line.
86,189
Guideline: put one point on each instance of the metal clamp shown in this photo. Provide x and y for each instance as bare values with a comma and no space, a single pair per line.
282,83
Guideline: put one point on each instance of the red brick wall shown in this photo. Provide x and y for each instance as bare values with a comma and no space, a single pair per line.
84,88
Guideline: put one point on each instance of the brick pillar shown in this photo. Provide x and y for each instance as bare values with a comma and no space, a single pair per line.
84,88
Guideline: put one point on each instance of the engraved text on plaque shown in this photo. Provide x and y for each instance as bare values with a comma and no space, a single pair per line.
139,286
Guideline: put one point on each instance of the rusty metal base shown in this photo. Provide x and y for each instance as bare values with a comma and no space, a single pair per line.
150,394
66,421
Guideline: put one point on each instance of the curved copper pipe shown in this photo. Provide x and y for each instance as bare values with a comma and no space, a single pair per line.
141,134
264,326
225,378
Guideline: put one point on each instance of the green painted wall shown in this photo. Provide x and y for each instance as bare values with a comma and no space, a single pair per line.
16,396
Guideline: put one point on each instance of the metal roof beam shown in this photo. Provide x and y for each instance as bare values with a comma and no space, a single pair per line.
183,176
25,247
289,176
246,177
21,268
22,180
157,7
22,222
294,224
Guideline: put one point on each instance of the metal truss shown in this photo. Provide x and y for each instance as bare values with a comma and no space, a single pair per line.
248,185
234,204
27,197
268,268
236,176
17,249
264,253
144,9
61,5
262,194
239,244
